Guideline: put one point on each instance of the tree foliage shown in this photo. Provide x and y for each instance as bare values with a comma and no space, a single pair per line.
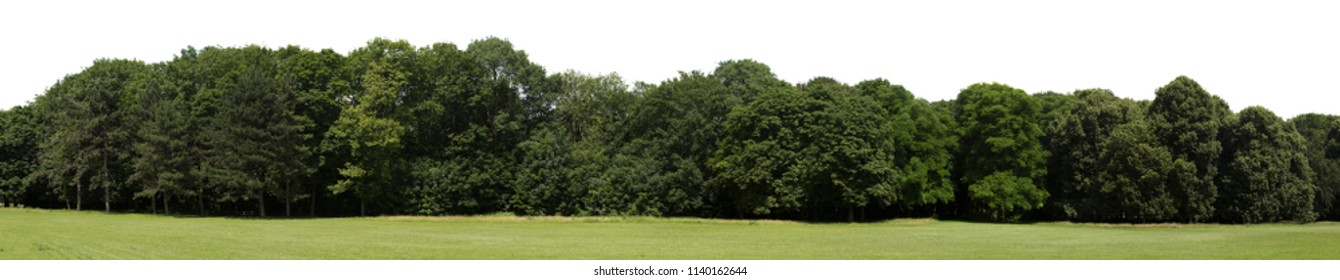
18,152
1001,159
923,139
1187,119
391,128
1266,176
1105,163
1315,128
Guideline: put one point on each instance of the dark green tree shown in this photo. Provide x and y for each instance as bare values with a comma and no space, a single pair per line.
90,138
1265,175
1105,163
19,134
1051,105
825,147
1000,159
923,137
162,159
565,163
1315,128
746,79
495,97
676,126
255,141
1187,119
319,78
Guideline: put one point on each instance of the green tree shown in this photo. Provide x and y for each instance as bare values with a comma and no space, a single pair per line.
825,147
565,163
1315,128
1105,163
1187,119
90,137
1266,176
1001,160
162,160
746,79
255,140
319,78
19,134
923,137
762,140
1051,105
495,97
676,125
1133,176
366,126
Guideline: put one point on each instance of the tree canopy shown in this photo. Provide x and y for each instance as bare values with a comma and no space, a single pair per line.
393,128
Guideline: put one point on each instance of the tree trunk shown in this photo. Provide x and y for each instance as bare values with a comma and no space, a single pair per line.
79,196
288,199
153,205
106,198
312,212
851,214
106,185
6,199
165,205
262,205
362,207
200,200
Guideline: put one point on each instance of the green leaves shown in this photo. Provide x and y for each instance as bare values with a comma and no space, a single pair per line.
440,130
1187,120
19,129
1315,130
1266,176
1005,196
1000,138
1106,164
373,136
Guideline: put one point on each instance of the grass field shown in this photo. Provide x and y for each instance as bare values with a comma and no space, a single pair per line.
51,234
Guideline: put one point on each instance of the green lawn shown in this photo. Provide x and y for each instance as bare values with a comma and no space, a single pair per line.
49,234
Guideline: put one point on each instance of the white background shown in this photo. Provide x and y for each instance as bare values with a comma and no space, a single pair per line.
912,270
1280,54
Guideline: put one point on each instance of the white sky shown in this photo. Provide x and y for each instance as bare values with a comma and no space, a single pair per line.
1284,55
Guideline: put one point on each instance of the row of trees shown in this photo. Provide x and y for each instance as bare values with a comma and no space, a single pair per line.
437,130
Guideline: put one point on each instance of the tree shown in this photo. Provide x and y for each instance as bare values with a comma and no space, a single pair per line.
1051,105
1105,164
923,137
162,159
18,152
1187,119
495,97
1333,142
366,126
1001,160
1265,176
1131,184
761,140
746,79
1314,128
847,160
89,140
565,164
256,139
319,79
825,147
676,126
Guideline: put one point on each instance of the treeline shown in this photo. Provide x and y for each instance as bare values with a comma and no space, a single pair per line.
391,128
